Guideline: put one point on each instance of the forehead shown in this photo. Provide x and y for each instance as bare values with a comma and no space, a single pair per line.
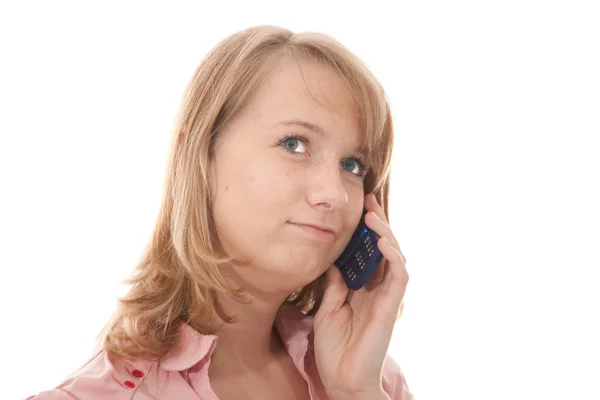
307,91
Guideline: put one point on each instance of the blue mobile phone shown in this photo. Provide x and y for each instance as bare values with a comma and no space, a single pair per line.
361,257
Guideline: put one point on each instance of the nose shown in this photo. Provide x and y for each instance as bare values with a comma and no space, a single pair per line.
326,188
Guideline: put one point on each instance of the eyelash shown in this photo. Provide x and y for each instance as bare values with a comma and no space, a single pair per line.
304,139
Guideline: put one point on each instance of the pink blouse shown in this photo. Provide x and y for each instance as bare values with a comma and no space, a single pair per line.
184,375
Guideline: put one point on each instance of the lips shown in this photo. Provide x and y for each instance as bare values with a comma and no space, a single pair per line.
320,232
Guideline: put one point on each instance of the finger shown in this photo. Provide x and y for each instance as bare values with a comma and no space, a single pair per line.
378,276
335,293
397,277
371,204
380,227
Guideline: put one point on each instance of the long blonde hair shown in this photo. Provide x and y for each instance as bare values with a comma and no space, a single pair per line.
177,278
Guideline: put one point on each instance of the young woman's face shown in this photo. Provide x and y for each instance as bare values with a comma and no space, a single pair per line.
287,180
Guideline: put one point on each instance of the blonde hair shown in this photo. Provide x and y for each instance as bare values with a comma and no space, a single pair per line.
177,278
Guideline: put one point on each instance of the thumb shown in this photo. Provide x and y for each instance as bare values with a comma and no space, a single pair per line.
335,292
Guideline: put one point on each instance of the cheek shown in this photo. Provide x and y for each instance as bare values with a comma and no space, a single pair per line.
271,182
252,194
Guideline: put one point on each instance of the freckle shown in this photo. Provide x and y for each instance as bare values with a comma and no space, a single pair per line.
226,187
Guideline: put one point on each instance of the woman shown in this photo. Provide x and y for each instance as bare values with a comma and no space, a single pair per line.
282,140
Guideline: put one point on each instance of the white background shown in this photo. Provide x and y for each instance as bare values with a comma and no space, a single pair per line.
495,181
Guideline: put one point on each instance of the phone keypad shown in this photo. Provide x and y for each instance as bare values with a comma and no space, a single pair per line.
358,262
370,245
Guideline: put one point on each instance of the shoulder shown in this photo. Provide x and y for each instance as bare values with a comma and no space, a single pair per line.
100,378
394,382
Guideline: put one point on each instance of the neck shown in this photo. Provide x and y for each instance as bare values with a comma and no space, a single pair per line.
251,342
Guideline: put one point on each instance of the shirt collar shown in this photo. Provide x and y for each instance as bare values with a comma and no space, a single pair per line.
193,347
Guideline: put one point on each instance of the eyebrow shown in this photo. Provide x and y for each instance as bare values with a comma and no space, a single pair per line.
298,122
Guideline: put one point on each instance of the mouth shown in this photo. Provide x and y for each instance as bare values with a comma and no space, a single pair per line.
320,232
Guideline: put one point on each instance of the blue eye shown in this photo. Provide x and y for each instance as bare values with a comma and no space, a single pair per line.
354,166
291,144
294,145
349,164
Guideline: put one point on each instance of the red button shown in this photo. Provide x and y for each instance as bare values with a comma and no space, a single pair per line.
129,384
137,373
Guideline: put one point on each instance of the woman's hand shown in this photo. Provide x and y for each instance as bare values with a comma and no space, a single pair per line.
352,329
